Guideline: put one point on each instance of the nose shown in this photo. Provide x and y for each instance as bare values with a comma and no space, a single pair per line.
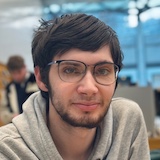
88,85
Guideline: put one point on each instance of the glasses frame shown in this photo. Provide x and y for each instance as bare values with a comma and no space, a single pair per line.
86,67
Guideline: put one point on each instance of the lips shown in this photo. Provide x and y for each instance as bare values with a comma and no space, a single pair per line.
86,106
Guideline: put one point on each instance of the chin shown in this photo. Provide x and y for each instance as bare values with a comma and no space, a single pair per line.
84,122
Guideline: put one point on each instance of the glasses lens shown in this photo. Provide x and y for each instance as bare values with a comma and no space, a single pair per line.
71,71
105,73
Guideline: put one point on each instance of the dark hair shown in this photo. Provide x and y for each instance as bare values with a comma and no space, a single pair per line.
81,31
15,62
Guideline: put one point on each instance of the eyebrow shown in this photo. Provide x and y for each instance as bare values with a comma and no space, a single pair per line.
71,62
102,62
97,63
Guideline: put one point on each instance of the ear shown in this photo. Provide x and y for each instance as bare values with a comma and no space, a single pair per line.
39,81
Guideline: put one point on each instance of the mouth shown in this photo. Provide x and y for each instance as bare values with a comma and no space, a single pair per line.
87,107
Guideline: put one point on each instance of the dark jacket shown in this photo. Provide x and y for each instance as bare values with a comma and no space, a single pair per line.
16,94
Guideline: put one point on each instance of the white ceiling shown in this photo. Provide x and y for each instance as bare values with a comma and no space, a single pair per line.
11,10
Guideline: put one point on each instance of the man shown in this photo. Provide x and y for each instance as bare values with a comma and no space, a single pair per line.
23,84
77,59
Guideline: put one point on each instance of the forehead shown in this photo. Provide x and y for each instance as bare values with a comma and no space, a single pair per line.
88,57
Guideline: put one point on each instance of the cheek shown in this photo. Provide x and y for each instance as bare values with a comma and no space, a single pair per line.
53,79
62,90
108,92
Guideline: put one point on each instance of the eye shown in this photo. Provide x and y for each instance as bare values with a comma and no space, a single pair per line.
102,72
71,70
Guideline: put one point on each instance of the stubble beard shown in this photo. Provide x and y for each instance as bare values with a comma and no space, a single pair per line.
85,121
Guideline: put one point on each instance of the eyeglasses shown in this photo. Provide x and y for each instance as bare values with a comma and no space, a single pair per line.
104,73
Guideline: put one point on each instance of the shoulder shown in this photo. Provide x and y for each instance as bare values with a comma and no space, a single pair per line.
125,105
127,118
9,137
9,85
8,131
12,145
31,85
126,109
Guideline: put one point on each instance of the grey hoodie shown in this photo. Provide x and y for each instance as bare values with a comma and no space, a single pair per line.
122,135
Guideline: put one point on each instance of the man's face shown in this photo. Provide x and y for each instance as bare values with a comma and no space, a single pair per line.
83,103
19,75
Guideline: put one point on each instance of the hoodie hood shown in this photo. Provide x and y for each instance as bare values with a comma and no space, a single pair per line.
31,125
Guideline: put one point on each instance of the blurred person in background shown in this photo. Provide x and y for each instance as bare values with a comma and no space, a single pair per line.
23,84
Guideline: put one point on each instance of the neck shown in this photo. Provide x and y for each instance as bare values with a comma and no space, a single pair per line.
71,142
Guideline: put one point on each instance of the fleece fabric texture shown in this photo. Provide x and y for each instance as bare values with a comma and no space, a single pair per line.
121,136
